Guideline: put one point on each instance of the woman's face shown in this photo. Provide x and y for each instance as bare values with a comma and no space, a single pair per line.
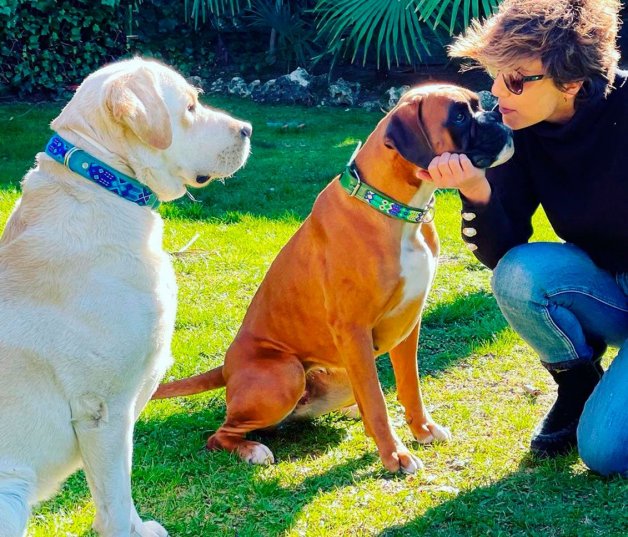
539,101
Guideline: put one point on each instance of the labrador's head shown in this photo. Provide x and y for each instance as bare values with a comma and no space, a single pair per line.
143,116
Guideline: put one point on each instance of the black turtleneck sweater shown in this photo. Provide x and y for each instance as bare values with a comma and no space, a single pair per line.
578,173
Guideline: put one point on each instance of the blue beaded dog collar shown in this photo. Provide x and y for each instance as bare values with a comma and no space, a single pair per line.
91,168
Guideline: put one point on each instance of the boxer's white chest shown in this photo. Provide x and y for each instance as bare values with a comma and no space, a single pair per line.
416,261
417,265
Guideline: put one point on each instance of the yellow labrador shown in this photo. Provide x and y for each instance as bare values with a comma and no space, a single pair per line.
87,295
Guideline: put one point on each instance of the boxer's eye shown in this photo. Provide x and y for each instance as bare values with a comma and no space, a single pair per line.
460,117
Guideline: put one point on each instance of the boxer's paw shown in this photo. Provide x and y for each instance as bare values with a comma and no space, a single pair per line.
400,458
409,463
255,453
440,433
431,432
403,461
352,412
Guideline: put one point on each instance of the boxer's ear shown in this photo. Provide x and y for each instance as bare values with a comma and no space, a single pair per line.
406,135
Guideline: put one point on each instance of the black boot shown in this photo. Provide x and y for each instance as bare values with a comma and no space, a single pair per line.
556,434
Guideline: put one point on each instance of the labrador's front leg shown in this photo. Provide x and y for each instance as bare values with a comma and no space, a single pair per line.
104,429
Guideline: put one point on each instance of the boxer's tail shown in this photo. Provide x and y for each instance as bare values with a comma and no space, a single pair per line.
200,383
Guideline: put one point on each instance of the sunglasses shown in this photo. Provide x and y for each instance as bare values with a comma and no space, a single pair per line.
514,80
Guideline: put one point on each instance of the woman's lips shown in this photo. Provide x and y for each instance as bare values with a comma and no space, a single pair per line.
505,111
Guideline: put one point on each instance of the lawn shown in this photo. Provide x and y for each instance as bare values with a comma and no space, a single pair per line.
328,479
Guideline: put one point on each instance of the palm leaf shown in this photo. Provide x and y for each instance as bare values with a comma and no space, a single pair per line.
217,8
415,22
440,14
393,28
402,34
426,8
361,25
434,11
369,20
475,8
384,33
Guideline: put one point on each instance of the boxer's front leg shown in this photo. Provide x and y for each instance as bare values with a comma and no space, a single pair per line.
355,345
404,361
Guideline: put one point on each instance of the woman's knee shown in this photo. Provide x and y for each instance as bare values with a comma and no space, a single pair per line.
516,276
602,452
603,428
529,272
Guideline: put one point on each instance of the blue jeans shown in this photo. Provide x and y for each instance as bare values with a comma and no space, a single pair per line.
568,310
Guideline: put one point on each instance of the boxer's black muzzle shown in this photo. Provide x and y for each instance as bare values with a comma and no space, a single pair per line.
489,142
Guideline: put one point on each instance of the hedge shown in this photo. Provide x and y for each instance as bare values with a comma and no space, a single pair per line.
48,46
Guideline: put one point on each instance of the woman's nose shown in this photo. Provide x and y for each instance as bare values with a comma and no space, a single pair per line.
499,89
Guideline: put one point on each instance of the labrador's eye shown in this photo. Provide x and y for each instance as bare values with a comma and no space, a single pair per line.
191,108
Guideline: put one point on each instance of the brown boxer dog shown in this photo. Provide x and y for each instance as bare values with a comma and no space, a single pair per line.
351,285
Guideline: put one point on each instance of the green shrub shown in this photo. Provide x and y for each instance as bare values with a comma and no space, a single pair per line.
47,47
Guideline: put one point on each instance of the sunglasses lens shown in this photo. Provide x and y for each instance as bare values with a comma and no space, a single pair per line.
514,82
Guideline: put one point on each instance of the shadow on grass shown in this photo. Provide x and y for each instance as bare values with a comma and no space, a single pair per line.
450,332
219,495
540,499
172,465
232,497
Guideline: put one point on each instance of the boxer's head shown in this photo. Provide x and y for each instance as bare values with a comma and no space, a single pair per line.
434,119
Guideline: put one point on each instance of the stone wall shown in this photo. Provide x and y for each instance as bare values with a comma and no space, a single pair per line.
299,87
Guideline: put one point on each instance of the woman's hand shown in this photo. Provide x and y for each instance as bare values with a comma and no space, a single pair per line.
451,170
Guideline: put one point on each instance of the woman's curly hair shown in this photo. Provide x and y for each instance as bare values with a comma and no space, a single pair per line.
576,40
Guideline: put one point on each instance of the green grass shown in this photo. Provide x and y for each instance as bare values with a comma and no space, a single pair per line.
328,479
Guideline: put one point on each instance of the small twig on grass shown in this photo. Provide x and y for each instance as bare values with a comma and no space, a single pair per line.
183,249
531,390
286,125
28,111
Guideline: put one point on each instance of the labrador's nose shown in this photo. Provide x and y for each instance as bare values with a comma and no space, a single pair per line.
246,131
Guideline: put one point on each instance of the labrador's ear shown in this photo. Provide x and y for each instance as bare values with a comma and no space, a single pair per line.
406,135
134,101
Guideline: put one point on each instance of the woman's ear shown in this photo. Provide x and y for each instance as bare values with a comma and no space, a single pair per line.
572,88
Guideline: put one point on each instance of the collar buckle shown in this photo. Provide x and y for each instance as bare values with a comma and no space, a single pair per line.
428,215
357,185
68,155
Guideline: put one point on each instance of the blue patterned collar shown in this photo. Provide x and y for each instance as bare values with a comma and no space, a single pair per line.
95,170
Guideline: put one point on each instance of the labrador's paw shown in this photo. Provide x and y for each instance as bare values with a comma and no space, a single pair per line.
149,529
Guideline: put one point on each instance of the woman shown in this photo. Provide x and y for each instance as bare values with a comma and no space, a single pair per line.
555,78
